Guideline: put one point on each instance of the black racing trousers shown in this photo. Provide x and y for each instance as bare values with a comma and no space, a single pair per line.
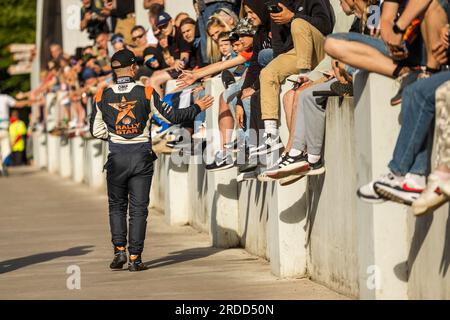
129,178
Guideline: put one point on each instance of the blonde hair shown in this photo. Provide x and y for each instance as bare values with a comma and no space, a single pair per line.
365,15
213,47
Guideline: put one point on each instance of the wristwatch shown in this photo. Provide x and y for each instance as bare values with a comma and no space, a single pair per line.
397,30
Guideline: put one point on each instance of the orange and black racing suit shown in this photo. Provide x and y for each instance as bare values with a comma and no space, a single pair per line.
121,115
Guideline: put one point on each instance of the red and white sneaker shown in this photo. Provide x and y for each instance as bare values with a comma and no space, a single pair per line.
431,198
404,190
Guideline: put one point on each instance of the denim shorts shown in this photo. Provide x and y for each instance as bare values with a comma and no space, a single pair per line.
230,94
375,43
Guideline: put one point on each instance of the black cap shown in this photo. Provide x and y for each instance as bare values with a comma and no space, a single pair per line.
162,19
122,59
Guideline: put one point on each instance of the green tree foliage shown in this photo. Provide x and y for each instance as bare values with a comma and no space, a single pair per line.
17,25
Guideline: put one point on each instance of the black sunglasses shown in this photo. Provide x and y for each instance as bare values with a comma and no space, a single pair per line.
138,37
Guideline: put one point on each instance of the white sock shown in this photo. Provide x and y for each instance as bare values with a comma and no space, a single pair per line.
313,158
295,153
418,180
271,127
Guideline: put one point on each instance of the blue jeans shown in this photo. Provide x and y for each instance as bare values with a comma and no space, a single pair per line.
412,151
203,21
244,134
230,97
230,94
417,55
265,56
201,117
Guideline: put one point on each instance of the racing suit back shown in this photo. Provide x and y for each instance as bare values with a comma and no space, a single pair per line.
122,113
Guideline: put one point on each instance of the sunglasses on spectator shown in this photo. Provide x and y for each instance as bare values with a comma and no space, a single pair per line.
151,60
138,37
163,27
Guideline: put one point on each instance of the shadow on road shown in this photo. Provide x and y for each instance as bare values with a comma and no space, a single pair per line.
182,256
18,263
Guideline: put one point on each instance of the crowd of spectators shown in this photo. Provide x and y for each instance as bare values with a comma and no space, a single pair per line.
254,47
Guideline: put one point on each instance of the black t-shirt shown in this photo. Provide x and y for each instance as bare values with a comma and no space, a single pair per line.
124,7
177,45
94,26
195,55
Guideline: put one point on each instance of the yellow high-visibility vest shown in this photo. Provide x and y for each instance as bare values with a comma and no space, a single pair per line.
17,129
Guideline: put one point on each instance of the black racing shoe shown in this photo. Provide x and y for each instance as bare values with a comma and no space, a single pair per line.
136,264
405,80
120,258
227,78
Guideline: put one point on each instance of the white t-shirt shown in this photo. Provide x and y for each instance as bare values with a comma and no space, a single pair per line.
151,39
6,102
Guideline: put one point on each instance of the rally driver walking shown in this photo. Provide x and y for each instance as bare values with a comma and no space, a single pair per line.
121,115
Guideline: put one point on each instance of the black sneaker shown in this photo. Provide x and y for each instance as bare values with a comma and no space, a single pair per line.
136,264
263,177
227,78
342,90
311,169
247,167
287,165
120,258
221,162
246,176
270,144
405,80
314,169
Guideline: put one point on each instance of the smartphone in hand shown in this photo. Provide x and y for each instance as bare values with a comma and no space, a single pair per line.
273,8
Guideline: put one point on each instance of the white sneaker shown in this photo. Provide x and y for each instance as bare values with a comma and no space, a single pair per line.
369,193
404,190
270,144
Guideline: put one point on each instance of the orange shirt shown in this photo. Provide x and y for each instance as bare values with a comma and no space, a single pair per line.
247,55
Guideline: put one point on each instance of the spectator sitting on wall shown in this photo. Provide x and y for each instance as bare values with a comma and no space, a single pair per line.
206,9
102,52
215,26
409,166
307,28
140,43
123,14
92,18
118,42
188,31
153,13
177,46
243,28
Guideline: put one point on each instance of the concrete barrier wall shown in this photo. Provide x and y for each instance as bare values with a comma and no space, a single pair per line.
315,228
331,201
